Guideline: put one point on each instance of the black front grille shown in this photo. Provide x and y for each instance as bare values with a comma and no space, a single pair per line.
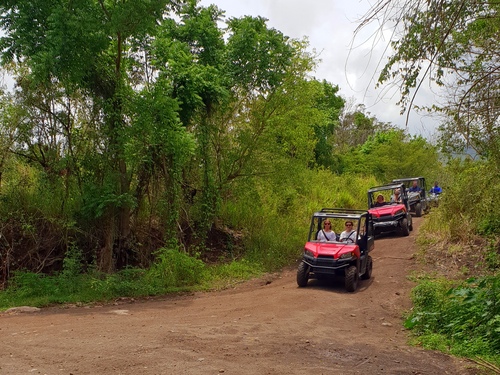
385,216
323,261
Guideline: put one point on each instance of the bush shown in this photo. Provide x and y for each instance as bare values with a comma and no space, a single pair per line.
428,297
466,317
174,268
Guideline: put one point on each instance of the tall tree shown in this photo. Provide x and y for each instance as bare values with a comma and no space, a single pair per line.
332,104
10,116
84,46
189,54
218,81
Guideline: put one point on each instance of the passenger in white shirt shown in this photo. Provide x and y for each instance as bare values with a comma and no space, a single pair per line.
327,234
349,235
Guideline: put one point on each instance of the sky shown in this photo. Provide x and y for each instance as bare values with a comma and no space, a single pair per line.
352,64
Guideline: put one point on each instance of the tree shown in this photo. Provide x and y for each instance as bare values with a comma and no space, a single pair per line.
83,46
393,154
355,127
332,104
9,116
455,44
228,93
188,55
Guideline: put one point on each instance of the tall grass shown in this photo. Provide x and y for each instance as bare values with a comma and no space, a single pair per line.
272,214
174,271
471,203
275,213
467,221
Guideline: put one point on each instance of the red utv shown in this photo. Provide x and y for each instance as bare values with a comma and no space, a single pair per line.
349,259
389,214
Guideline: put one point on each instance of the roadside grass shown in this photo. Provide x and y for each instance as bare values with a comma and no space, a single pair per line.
271,224
458,318
175,272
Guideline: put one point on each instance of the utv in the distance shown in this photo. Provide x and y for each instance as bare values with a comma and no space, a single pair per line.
418,201
390,213
349,260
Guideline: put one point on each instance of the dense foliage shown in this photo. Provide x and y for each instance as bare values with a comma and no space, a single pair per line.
464,320
181,130
147,141
460,313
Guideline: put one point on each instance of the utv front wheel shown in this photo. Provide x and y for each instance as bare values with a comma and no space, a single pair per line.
369,268
302,274
418,210
405,230
351,278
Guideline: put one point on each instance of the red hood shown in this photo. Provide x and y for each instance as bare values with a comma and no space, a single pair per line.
331,249
389,209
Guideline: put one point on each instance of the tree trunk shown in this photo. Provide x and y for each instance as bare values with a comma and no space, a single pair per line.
105,257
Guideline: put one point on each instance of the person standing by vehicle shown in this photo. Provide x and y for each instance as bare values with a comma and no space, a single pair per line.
326,234
436,189
349,235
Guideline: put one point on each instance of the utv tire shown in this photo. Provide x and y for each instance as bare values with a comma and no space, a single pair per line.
302,274
351,278
418,210
405,229
369,268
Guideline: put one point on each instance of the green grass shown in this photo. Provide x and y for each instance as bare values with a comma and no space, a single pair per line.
174,272
459,318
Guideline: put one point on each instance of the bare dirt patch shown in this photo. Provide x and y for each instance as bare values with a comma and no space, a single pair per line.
264,326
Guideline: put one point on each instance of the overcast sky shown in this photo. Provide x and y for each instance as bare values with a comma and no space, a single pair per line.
354,67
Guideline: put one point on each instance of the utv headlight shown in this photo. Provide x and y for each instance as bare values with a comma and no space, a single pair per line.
346,256
309,253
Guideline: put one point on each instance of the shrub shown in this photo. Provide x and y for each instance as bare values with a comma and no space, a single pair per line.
466,316
174,268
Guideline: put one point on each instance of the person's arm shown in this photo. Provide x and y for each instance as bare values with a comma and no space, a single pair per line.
344,237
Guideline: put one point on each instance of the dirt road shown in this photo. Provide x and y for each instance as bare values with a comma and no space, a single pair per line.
265,326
